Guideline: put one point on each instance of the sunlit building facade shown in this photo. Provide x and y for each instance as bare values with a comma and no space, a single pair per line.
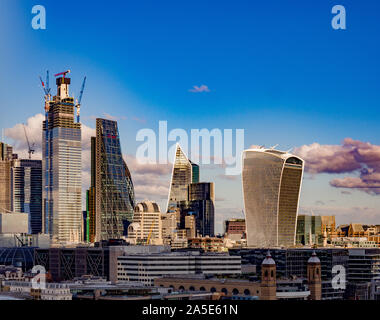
62,168
147,225
114,193
271,188
182,176
5,177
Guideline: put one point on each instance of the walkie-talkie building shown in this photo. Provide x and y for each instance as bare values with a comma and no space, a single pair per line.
271,189
62,167
114,193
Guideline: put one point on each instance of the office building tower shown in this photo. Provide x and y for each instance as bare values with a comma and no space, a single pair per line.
328,226
182,176
114,193
309,230
271,187
5,177
62,167
90,196
27,191
147,225
201,199
190,226
169,227
194,172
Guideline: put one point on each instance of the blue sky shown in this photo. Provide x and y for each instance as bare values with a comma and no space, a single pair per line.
275,68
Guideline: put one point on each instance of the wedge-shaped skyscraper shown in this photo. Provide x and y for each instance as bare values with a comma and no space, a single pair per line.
114,196
182,176
271,189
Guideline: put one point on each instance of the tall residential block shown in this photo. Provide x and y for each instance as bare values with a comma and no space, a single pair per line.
62,167
271,189
114,192
27,191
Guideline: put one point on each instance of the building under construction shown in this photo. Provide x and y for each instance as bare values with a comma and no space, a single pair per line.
61,164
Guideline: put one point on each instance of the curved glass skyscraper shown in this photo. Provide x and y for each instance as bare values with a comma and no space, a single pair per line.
271,188
114,193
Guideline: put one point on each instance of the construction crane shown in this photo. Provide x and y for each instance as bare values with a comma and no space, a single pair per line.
46,89
77,105
63,74
150,234
47,107
30,147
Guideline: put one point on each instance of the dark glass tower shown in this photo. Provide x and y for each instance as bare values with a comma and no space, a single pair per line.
195,172
27,191
114,193
201,204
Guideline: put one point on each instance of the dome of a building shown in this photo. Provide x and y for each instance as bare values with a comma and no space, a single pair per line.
314,258
268,260
147,206
134,227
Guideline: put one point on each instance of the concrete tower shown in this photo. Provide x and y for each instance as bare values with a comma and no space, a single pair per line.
314,277
268,279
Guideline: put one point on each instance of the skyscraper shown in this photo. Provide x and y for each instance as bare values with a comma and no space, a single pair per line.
114,193
201,204
271,188
61,167
5,177
27,191
182,176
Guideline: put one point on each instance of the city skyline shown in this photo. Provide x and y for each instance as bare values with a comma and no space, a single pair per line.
333,104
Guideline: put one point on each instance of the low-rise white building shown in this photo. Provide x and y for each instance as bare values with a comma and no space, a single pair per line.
146,267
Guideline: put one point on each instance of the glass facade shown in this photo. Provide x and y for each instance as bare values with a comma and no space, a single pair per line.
182,176
195,172
271,186
201,203
27,191
309,230
114,193
62,168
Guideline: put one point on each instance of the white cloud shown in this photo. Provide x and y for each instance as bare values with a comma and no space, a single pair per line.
202,88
